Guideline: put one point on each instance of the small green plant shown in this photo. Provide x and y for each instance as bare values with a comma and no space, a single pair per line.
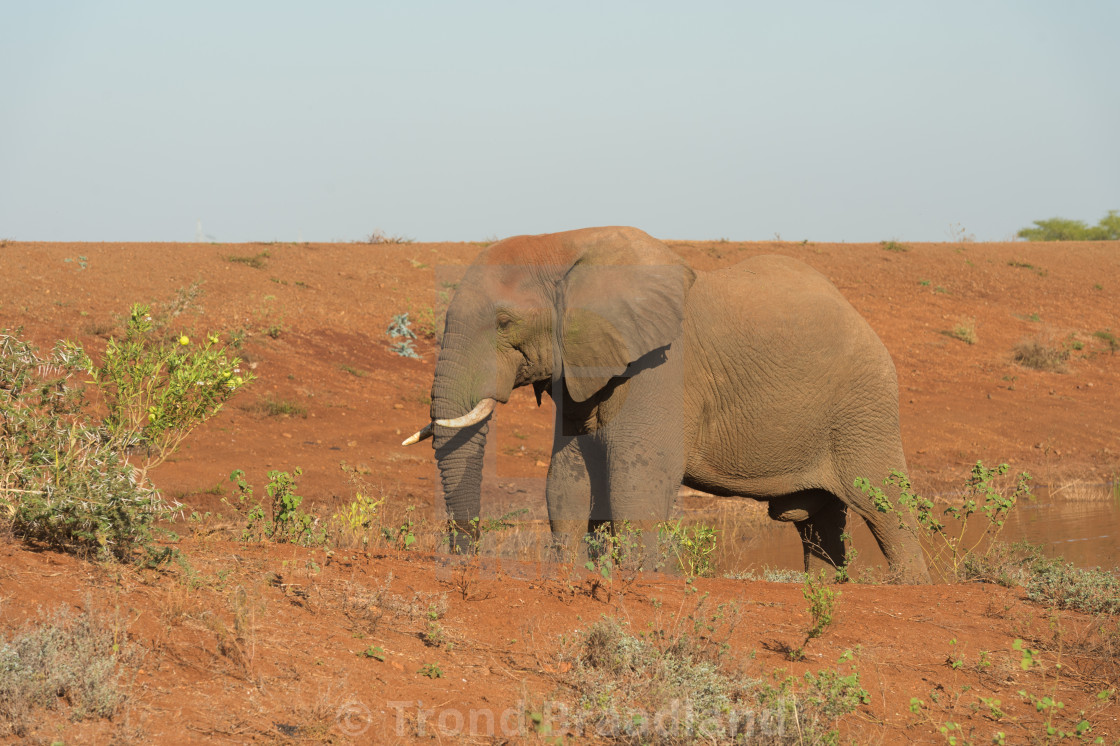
1060,584
374,651
843,572
356,521
633,682
433,635
1047,704
822,606
692,546
76,482
282,520
954,661
964,331
946,548
782,575
81,261
1106,336
402,536
427,323
400,328
614,558
431,670
894,246
924,283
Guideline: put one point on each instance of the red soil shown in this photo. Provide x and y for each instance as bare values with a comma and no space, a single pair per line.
291,666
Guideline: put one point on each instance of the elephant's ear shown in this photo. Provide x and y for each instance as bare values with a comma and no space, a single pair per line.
622,299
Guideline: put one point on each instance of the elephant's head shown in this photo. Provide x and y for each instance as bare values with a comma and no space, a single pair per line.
572,309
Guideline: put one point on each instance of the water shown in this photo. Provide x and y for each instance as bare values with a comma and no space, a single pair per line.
1083,527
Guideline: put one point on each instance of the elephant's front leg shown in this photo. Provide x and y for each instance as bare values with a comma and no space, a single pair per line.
644,476
569,494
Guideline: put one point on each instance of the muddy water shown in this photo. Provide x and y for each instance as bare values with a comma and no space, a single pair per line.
1084,529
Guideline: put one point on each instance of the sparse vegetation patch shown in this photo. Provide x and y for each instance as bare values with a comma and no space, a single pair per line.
678,684
69,661
256,261
965,332
1033,354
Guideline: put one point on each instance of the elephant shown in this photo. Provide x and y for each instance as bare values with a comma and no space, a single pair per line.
759,380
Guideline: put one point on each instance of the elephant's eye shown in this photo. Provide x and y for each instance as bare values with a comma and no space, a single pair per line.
504,322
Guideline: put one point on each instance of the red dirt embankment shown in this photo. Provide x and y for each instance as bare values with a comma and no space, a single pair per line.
259,643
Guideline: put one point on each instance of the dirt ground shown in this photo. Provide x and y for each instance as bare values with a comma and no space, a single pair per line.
260,643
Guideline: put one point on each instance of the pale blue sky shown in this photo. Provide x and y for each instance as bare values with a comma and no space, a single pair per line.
832,121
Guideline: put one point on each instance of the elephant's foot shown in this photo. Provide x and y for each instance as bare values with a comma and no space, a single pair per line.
909,569
567,543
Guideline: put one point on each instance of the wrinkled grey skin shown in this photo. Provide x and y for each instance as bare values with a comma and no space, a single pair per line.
759,380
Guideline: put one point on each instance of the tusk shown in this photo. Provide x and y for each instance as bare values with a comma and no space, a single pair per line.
481,411
421,434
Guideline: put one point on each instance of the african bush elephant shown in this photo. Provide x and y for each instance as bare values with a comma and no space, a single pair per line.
758,380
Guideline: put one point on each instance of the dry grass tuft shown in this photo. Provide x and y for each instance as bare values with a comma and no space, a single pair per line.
1033,354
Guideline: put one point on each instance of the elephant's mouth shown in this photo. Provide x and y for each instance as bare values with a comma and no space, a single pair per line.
481,411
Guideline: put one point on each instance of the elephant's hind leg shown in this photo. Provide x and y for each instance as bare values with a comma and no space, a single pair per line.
821,519
896,535
822,535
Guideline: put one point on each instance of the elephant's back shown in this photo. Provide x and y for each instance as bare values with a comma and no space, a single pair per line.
776,297
776,363
772,277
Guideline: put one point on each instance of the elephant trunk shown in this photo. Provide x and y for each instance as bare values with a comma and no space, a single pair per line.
461,404
459,454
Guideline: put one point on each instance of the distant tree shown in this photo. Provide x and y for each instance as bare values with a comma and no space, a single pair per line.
1110,224
1063,229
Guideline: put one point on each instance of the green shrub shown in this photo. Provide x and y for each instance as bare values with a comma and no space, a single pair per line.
62,482
1057,583
944,543
78,482
1063,229
156,392
691,546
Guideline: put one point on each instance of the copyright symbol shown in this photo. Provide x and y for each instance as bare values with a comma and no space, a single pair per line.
353,718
